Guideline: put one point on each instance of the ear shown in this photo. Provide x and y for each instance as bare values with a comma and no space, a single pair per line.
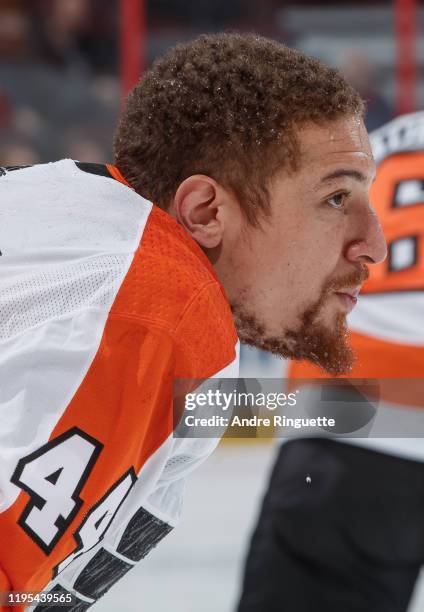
197,207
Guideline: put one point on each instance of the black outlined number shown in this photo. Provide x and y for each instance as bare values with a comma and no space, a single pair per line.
53,476
98,520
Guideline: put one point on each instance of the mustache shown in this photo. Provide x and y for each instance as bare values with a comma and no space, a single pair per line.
352,279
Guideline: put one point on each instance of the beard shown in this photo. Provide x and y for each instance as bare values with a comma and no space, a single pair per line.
324,346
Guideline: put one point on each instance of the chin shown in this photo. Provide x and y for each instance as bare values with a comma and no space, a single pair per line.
324,344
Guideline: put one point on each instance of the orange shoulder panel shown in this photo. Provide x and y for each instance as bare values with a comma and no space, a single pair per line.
172,286
170,318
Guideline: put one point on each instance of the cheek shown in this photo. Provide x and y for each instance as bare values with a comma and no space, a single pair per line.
313,258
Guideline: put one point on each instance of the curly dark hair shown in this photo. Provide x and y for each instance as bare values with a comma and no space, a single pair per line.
225,105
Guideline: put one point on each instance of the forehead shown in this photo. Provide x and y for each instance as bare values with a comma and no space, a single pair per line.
343,140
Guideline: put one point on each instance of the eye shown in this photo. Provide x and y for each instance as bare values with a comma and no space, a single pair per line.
338,200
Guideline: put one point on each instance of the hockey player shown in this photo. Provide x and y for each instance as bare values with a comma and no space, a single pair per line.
258,164
352,538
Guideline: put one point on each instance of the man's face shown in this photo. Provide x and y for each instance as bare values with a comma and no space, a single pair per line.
292,282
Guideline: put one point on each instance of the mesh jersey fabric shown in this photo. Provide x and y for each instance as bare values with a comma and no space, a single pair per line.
104,300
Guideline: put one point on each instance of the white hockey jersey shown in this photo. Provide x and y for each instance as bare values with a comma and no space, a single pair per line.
104,300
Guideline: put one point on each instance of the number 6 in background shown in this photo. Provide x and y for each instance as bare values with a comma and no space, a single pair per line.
398,198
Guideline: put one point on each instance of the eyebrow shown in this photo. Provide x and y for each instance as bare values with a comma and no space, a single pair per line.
354,174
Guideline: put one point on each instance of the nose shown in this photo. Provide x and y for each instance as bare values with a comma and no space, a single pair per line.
368,244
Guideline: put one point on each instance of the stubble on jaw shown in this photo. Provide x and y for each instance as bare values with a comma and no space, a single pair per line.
312,340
